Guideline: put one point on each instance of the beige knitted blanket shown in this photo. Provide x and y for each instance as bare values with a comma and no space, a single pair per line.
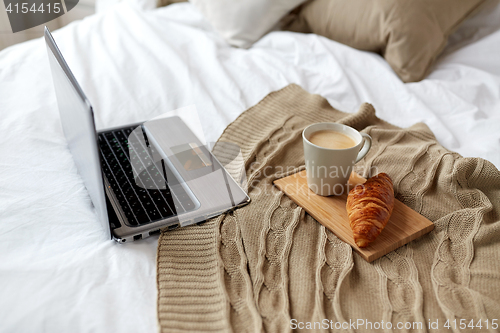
269,267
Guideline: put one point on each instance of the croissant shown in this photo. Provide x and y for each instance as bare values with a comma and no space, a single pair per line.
369,207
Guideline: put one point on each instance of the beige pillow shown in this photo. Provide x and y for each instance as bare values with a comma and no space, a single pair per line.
409,34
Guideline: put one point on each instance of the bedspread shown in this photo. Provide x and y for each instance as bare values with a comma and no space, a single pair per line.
270,267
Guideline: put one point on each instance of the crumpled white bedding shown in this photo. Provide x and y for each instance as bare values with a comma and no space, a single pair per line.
58,273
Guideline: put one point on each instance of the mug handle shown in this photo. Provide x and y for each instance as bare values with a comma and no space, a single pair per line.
366,147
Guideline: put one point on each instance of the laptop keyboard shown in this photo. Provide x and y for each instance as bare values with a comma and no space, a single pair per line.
146,197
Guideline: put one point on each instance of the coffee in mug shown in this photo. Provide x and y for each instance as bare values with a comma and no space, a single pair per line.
330,151
332,139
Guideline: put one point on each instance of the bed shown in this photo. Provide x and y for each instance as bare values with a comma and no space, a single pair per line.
59,273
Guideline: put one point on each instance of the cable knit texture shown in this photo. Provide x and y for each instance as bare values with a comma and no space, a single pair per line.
257,268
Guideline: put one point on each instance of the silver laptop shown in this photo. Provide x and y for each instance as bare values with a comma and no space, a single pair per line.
142,178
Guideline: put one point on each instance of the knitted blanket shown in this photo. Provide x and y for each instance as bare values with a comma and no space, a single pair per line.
269,267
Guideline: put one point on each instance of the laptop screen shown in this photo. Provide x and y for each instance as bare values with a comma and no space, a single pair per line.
77,120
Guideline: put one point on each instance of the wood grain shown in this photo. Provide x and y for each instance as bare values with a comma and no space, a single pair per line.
404,225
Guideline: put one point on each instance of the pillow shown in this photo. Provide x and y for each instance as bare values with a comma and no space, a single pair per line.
409,34
243,22
479,25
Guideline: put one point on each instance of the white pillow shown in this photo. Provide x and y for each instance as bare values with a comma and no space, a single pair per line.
243,22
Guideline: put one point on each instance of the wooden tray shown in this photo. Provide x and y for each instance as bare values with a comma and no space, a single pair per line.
404,225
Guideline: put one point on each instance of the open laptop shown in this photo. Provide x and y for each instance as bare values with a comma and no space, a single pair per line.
145,177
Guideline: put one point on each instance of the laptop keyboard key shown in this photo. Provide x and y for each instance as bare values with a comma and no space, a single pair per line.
165,210
154,214
143,218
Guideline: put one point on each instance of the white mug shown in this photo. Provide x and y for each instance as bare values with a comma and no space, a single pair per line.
328,169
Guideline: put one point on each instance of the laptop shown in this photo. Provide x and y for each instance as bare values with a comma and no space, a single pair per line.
145,177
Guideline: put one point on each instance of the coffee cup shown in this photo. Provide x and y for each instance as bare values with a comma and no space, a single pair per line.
330,152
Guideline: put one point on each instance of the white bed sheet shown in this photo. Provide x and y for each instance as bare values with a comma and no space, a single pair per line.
58,273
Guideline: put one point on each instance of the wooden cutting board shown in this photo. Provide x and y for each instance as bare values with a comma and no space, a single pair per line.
404,225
